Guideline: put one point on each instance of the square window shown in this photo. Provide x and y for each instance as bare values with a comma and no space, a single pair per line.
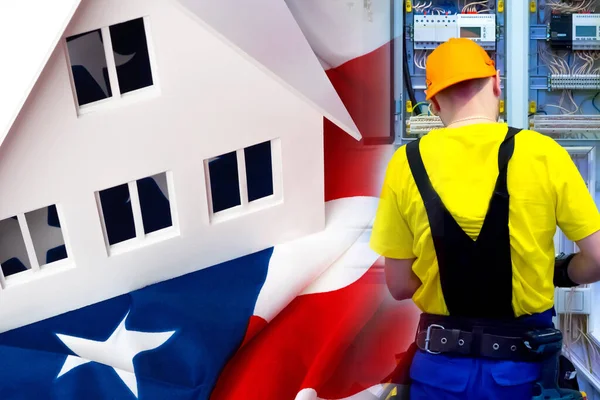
48,240
243,177
224,182
13,253
154,203
31,240
89,67
134,210
132,59
117,213
259,171
111,61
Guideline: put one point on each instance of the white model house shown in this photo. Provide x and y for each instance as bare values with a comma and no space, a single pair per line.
141,140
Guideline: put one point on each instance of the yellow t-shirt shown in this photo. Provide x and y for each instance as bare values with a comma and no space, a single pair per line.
545,189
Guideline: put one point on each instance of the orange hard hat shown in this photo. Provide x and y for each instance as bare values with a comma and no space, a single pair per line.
455,61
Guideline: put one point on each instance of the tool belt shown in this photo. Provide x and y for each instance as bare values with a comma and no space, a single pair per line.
469,337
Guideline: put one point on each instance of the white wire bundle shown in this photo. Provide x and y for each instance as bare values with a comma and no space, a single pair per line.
574,6
438,11
472,7
420,59
584,63
575,329
423,7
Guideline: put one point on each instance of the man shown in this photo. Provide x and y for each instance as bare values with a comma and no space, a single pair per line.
466,224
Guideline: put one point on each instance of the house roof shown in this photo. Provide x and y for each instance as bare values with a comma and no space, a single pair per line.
264,30
27,39
267,31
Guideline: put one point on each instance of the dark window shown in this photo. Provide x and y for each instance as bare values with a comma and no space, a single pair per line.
224,182
48,240
130,49
259,171
88,63
118,214
13,254
154,201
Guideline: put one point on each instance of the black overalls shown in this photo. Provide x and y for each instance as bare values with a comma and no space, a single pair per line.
476,276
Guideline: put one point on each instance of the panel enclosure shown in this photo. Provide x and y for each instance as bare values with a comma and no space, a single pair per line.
564,73
584,158
426,25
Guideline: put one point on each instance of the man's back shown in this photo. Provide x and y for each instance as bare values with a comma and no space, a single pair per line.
462,164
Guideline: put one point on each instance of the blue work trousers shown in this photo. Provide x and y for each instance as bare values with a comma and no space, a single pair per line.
446,378
439,377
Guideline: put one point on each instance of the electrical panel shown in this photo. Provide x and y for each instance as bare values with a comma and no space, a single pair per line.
548,55
431,30
564,73
427,24
574,31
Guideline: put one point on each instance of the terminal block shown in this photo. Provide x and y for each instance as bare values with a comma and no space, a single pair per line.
567,126
418,126
574,82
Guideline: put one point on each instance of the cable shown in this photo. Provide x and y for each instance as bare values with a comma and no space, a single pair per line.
407,81
538,112
471,6
419,104
594,102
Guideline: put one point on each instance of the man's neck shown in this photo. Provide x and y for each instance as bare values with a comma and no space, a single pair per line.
472,119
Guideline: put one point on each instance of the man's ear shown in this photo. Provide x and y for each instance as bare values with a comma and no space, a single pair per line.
434,106
497,89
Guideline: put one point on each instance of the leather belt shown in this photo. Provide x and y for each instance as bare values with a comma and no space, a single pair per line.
437,340
475,338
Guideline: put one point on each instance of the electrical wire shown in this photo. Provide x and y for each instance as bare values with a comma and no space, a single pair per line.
420,59
407,81
472,7
594,102
420,104
538,112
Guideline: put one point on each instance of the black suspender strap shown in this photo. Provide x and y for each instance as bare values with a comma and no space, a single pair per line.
505,153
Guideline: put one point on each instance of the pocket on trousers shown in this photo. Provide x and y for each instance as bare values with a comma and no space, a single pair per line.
514,373
441,372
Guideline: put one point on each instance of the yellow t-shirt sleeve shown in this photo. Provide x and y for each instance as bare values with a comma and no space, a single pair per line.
391,236
576,211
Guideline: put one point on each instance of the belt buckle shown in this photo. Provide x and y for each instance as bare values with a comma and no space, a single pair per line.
428,338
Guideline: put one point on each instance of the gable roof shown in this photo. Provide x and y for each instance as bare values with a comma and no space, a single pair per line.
27,39
267,31
264,30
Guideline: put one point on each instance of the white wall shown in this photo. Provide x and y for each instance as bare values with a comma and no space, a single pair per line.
211,101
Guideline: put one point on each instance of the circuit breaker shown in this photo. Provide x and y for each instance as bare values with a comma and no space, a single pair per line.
426,25
429,30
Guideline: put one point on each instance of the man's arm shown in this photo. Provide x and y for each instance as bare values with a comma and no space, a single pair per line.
585,266
578,217
400,278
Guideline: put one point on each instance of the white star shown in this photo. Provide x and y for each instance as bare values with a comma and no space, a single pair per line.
117,351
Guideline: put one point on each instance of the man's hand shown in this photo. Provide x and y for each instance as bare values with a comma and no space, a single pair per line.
584,267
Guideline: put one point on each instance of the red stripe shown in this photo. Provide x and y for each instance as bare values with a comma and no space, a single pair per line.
338,343
355,168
